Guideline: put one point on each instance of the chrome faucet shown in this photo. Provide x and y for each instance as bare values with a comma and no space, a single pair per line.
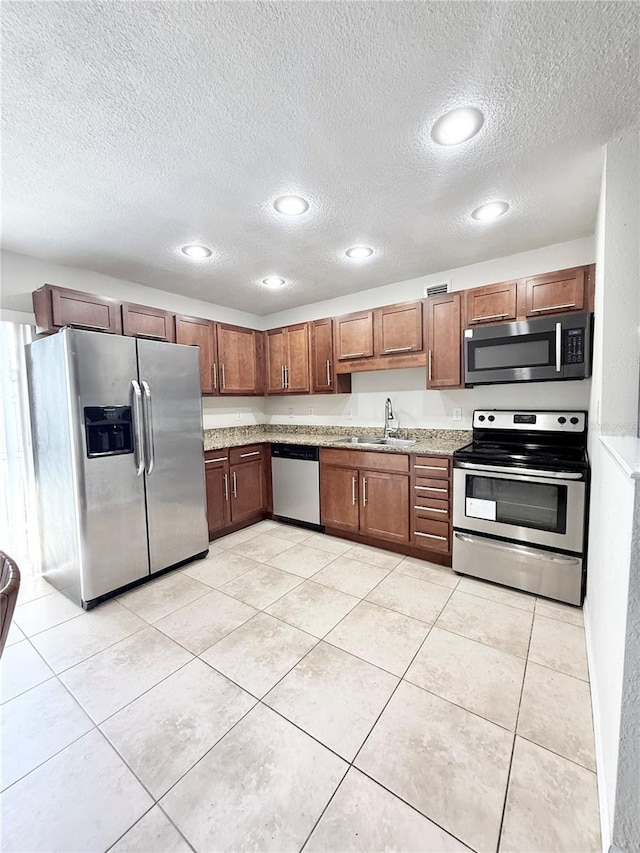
388,416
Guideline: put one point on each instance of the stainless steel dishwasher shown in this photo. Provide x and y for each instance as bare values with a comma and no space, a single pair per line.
295,472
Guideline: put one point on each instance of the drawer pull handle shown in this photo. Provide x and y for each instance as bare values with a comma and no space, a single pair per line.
431,536
352,355
490,317
429,489
218,459
397,349
552,308
253,453
430,509
433,467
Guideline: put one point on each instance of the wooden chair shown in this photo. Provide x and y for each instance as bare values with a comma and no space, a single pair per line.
9,586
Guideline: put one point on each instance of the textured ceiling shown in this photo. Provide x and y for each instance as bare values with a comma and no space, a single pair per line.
133,128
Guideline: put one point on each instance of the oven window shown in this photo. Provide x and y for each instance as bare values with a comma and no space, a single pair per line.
541,506
536,350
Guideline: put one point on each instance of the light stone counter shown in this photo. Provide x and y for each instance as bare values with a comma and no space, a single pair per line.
429,441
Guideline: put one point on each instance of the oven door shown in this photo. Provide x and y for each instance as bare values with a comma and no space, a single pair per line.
536,507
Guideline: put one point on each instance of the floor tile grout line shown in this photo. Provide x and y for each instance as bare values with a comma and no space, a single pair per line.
144,587
554,752
513,744
321,815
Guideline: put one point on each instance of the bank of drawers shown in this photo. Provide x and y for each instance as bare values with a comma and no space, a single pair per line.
431,509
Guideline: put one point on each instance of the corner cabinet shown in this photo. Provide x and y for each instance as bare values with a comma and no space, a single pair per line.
444,340
194,331
288,360
238,362
237,487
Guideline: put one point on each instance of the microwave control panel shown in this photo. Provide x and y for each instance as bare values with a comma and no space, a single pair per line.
573,346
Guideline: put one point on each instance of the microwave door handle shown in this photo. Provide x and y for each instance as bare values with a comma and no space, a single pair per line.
558,347
148,426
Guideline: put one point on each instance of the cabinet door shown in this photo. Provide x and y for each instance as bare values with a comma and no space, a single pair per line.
384,506
398,328
554,293
491,304
248,490
201,333
218,494
354,336
322,356
276,358
84,310
140,321
339,498
444,341
237,360
297,375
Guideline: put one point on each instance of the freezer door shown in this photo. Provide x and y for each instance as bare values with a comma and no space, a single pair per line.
170,381
102,373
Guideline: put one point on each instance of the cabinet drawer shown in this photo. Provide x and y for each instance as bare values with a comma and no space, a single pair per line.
215,458
431,534
428,488
394,462
432,466
248,453
429,508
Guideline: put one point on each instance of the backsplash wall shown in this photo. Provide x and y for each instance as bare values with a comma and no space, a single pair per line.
414,406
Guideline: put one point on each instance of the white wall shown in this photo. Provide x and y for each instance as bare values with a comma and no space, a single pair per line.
613,404
232,411
21,275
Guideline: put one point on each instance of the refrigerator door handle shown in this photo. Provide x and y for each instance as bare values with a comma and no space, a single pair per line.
137,423
148,426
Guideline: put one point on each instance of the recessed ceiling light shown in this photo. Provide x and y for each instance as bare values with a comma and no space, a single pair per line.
198,253
273,281
491,210
291,205
358,253
457,126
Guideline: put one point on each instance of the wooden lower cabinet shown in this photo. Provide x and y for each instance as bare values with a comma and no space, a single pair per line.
361,500
339,506
431,503
384,506
236,483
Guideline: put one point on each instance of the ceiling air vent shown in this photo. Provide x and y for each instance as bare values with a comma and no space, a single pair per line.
436,289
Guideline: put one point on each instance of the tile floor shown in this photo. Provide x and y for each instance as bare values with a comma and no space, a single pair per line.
293,691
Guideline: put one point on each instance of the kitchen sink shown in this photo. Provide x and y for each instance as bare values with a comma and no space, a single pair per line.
371,441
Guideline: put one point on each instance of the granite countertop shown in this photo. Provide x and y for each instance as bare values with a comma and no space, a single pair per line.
438,441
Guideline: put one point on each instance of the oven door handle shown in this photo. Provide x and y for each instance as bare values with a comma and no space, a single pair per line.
534,472
516,549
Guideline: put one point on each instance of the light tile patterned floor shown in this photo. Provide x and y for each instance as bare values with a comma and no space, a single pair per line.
295,691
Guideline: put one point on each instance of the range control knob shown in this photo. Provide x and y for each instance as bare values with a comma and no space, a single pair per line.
480,417
573,420
492,417
562,420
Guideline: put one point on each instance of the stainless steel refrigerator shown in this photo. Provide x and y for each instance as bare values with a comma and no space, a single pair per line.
117,427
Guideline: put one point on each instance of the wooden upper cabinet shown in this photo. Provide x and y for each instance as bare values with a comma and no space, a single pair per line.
322,375
239,362
553,293
201,333
494,303
140,321
275,357
55,307
288,360
398,328
298,378
444,341
354,336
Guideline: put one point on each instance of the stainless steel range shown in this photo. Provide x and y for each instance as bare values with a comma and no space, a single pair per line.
520,493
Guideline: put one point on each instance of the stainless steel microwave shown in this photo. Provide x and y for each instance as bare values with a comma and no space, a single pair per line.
539,350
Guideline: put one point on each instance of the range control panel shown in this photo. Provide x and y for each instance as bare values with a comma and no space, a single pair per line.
533,421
